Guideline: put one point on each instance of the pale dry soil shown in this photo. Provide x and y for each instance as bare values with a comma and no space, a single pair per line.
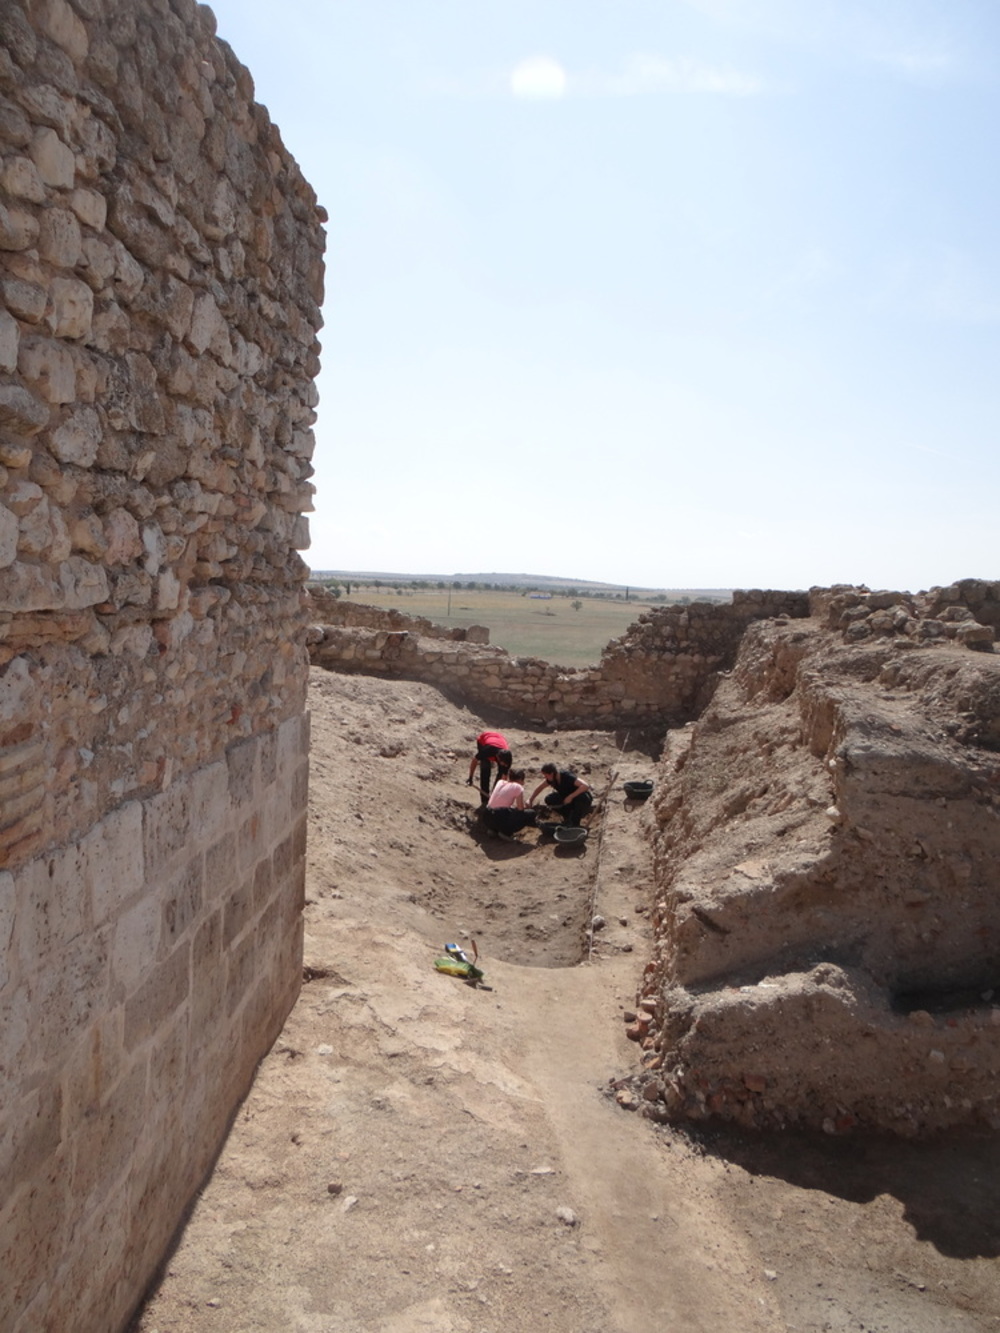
417,1154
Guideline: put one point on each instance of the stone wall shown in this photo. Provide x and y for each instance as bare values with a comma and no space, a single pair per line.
661,672
827,897
161,274
326,609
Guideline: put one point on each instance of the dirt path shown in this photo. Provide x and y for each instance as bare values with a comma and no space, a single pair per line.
419,1155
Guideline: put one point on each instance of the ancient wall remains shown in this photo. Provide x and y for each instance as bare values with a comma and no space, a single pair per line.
661,672
827,843
826,835
329,610
160,275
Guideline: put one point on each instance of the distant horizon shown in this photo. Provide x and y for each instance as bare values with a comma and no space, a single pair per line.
507,579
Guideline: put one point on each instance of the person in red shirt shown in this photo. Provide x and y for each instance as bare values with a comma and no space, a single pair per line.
491,748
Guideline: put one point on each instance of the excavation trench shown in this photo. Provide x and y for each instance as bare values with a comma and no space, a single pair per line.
418,1154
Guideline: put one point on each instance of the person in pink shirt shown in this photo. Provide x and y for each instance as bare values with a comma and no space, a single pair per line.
505,812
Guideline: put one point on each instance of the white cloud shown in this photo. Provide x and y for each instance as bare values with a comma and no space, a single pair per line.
541,78
644,75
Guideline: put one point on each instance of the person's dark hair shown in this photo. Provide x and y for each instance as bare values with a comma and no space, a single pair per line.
549,769
516,775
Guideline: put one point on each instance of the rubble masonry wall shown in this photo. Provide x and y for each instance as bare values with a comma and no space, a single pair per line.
660,673
160,276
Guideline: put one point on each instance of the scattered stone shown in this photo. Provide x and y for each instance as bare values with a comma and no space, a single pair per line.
567,1216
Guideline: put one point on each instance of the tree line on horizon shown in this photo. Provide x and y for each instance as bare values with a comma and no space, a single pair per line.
339,586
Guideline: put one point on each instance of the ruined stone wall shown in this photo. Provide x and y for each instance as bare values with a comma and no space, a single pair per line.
827,909
326,609
661,672
160,276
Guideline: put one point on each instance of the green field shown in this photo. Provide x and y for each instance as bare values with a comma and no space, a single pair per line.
554,630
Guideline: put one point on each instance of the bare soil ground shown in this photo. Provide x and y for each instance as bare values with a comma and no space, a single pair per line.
417,1154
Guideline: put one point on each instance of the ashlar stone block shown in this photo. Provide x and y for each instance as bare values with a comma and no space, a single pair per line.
33,1232
134,944
162,992
7,914
111,861
67,997
30,1135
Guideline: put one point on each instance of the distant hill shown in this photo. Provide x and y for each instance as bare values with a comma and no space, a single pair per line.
543,582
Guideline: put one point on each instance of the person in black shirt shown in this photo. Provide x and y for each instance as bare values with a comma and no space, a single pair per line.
570,796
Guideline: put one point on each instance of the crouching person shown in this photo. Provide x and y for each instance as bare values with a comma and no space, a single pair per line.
570,796
505,812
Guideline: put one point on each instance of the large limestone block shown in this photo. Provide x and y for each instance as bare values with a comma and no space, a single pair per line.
50,369
110,862
83,584
57,20
20,180
53,160
18,228
90,208
43,533
77,439
23,299
21,413
72,309
59,238
72,586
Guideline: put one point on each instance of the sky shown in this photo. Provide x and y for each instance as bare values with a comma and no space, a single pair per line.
669,293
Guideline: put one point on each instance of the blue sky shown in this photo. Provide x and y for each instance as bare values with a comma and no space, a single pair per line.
676,293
